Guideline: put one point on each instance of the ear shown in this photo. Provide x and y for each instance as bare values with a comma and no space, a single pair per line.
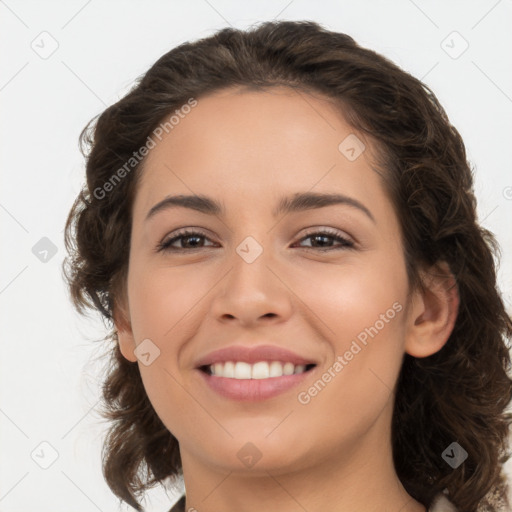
124,331
433,312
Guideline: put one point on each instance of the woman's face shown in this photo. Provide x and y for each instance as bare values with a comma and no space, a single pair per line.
250,277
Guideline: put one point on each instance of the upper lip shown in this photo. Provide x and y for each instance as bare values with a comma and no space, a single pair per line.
252,355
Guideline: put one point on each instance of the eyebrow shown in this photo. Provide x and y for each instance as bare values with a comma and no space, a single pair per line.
296,203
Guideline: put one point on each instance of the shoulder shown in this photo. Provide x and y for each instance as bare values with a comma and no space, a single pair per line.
179,506
492,502
442,504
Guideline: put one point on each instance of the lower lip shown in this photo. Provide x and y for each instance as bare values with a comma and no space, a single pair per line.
253,389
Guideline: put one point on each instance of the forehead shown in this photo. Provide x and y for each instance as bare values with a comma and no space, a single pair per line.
252,142
268,119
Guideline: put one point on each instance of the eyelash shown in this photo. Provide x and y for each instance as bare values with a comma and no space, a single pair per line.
166,246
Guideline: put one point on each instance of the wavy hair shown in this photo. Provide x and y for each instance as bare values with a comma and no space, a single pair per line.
460,393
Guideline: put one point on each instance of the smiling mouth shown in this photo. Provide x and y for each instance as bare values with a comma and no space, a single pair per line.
260,370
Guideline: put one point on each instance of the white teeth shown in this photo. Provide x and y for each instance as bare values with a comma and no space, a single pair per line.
228,370
276,369
242,370
288,368
217,368
259,370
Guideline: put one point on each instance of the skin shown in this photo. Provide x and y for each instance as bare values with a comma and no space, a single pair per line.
247,149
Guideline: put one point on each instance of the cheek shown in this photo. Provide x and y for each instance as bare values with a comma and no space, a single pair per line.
160,300
361,309
349,299
365,339
164,305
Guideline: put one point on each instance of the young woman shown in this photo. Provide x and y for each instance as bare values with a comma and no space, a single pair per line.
280,226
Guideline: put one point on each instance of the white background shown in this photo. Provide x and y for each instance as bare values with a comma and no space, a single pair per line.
49,379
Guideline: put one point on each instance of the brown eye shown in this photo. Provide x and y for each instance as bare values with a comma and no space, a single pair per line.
322,240
190,240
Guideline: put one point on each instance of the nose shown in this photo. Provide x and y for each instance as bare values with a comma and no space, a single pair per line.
252,293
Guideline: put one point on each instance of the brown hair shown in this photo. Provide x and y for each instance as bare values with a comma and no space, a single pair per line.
459,393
